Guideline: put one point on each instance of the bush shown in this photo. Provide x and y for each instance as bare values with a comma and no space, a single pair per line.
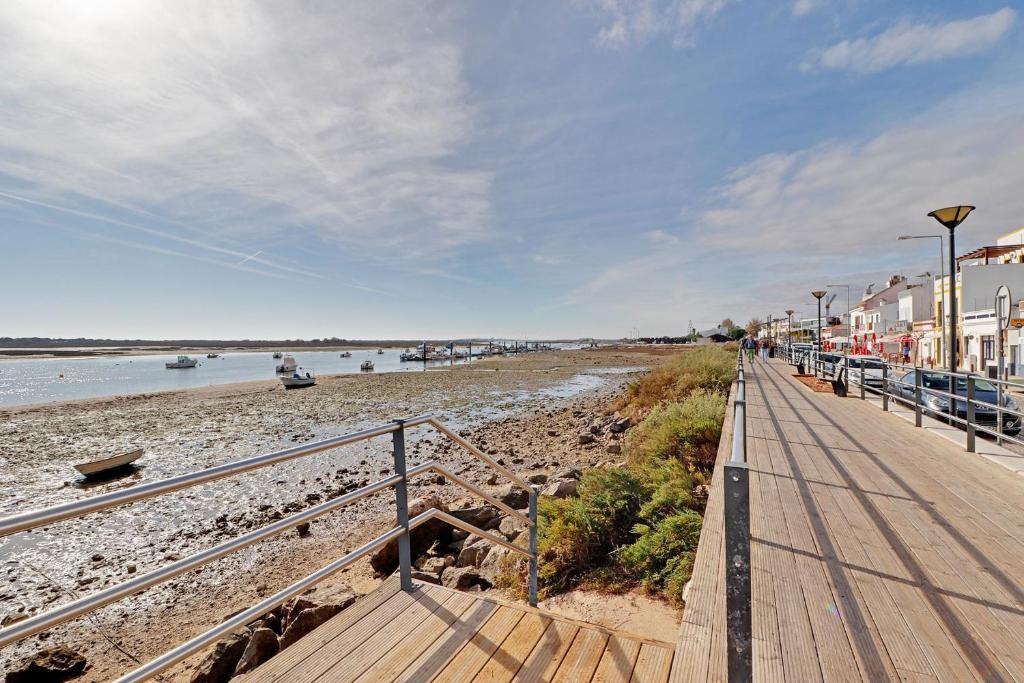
663,554
708,368
686,431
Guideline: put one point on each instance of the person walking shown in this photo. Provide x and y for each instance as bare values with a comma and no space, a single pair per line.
764,350
749,345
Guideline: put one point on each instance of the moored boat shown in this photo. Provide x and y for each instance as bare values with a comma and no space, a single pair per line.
104,464
380,352
346,354
182,362
288,365
366,365
277,354
213,355
301,377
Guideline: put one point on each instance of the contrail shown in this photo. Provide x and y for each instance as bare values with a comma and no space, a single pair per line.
251,256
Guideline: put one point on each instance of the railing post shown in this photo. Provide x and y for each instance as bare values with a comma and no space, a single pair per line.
402,508
885,387
970,409
533,546
862,380
917,397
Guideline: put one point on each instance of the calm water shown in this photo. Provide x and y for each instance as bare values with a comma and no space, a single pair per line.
39,380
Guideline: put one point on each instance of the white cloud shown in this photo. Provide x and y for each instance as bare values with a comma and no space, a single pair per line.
802,7
661,237
907,43
251,119
546,260
635,22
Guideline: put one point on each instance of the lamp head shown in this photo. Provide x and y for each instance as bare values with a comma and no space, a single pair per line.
818,293
790,311
951,216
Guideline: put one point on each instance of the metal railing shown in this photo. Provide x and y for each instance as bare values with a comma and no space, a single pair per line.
736,521
87,604
908,385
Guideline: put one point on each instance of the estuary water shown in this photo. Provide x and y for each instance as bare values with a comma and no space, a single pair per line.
41,380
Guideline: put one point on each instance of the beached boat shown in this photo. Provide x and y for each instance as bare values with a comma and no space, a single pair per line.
346,354
302,377
366,365
288,365
182,362
97,466
213,355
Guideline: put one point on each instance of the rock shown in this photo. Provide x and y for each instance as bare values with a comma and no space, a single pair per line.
220,664
47,666
566,488
620,425
262,646
460,578
513,496
586,438
385,560
306,621
510,527
473,554
552,432
537,478
492,480
426,577
492,564
614,448
434,565
303,529
479,516
571,473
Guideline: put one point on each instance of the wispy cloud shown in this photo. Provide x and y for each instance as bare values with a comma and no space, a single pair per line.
546,259
909,43
802,7
661,237
254,119
635,22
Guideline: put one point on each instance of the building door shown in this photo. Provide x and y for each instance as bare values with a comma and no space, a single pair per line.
988,350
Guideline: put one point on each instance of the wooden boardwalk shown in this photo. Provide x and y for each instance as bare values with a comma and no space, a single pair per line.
438,634
879,552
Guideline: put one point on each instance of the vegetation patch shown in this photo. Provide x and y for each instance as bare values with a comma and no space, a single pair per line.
638,524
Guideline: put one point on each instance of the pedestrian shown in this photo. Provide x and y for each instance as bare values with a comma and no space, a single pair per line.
764,350
749,345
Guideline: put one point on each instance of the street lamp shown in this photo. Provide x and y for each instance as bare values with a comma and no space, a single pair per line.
849,318
942,275
950,217
817,294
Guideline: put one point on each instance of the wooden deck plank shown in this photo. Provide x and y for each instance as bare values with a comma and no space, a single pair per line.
468,662
549,652
456,635
506,662
652,665
617,661
580,662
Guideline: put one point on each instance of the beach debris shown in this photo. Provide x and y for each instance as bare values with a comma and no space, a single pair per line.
219,665
47,666
262,646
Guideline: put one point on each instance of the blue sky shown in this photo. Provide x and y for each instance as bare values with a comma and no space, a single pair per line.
533,169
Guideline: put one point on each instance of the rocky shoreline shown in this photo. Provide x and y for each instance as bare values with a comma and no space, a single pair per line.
512,408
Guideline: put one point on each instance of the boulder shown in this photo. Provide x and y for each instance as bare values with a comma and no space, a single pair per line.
538,478
565,488
479,516
513,496
460,578
492,564
303,529
385,560
47,666
620,425
219,665
307,620
571,473
510,527
435,565
426,577
473,554
614,448
262,646
586,438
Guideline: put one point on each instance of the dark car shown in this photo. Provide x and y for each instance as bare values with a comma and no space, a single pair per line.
936,404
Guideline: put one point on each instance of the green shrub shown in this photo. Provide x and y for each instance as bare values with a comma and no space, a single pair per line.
686,431
663,554
708,368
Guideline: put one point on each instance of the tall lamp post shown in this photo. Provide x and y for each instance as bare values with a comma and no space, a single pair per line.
950,217
817,294
789,342
849,319
942,275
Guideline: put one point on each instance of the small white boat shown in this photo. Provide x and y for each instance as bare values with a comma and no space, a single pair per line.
288,365
346,354
277,354
380,352
302,377
97,466
366,365
182,362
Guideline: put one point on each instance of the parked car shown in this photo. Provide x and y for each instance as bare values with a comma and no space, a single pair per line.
831,363
873,367
936,404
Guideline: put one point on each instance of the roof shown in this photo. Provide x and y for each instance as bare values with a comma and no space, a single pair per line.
992,251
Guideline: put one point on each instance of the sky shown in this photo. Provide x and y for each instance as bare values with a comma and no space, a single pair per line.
541,169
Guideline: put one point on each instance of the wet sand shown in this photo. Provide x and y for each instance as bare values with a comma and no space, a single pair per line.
526,410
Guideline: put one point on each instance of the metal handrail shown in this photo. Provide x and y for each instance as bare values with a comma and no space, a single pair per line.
736,522
36,518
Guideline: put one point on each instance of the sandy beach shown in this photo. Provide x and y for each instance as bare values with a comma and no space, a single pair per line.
526,410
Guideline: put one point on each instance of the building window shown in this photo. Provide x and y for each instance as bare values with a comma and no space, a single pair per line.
988,347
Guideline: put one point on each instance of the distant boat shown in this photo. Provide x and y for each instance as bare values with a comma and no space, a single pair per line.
182,362
98,466
287,365
346,354
366,365
300,378
277,354
380,352
213,355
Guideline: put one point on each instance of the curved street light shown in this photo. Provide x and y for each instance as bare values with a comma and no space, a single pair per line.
950,217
